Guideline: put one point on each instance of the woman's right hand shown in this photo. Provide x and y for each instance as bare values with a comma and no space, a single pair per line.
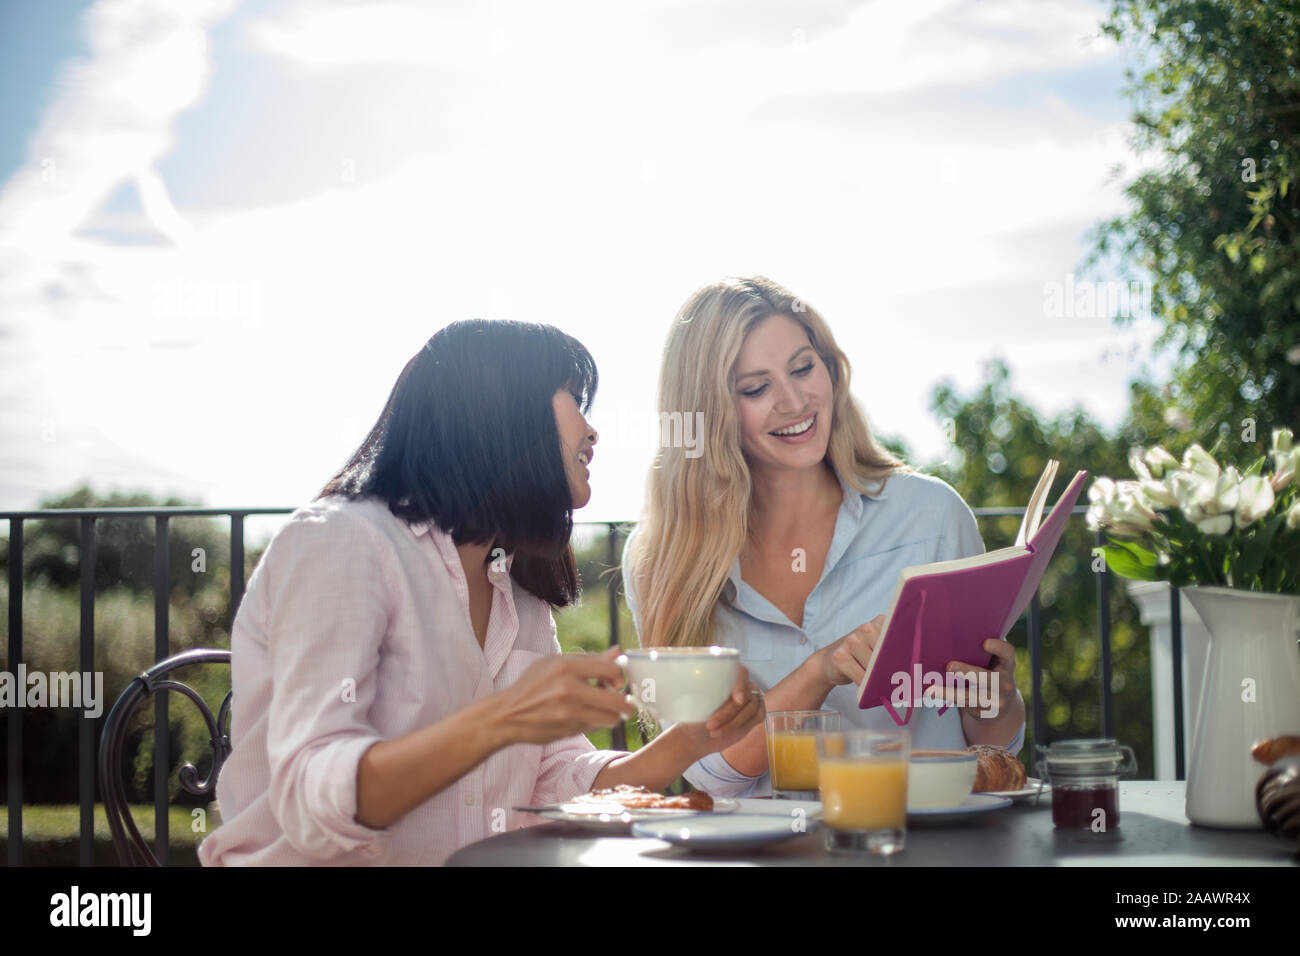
845,661
554,698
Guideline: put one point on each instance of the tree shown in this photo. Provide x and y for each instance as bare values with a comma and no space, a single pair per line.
124,547
1216,223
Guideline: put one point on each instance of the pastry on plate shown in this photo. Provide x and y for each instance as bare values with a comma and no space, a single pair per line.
998,769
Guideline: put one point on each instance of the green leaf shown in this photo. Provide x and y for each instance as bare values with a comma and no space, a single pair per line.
1123,563
1144,556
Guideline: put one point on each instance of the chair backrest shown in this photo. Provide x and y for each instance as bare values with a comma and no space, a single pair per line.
132,850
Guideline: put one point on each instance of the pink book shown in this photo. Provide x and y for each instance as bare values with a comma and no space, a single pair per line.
946,611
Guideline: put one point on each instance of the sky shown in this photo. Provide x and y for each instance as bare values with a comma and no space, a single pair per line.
225,226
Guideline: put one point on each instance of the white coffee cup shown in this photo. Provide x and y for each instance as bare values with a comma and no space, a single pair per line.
939,779
680,685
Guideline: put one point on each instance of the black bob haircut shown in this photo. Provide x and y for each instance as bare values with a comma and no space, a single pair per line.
468,442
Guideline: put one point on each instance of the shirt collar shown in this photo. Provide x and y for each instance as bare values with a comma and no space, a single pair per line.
447,548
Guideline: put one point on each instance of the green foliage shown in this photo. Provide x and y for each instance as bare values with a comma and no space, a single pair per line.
1001,445
124,547
1216,222
584,627
198,615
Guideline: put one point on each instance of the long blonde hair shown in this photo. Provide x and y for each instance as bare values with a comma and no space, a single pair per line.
697,513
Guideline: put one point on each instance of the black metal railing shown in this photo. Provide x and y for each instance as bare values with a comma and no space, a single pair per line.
86,776
614,531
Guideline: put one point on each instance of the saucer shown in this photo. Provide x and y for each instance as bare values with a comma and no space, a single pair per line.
973,805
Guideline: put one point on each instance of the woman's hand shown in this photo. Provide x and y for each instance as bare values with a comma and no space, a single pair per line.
741,712
555,698
996,713
986,693
668,756
845,661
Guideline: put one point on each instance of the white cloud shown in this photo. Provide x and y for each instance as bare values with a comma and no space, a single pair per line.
593,184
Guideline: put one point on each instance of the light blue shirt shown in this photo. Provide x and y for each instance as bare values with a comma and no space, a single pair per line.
916,519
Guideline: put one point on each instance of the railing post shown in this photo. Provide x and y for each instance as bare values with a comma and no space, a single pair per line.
86,778
15,714
1103,620
1036,669
161,651
619,741
236,565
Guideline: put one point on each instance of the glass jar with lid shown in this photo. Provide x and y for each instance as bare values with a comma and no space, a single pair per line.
1084,776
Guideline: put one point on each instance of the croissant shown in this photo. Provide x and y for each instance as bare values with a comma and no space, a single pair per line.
1274,749
998,769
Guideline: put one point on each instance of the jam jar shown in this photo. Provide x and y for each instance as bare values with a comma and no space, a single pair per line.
1084,776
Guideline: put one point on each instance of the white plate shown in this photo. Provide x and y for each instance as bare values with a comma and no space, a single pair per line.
975,804
768,807
1031,787
739,832
613,819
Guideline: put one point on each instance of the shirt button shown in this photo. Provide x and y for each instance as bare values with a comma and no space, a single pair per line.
371,851
803,638
469,799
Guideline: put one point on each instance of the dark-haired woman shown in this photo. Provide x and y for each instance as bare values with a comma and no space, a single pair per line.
398,683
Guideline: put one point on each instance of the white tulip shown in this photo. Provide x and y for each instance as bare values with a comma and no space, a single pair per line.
1194,494
1127,513
1159,492
1102,490
1256,496
1293,517
1197,459
1160,461
1138,465
1219,524
1282,440
1227,491
1285,466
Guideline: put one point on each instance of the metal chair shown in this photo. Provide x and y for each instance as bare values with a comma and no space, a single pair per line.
131,848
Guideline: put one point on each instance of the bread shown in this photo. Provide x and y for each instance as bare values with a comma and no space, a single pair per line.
998,769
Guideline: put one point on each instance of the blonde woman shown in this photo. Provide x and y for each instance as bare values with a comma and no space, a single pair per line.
784,534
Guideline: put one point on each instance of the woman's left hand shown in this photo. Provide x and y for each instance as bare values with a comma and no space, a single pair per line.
999,689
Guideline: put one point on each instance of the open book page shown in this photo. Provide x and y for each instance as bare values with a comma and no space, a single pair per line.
1034,508
1050,471
1043,544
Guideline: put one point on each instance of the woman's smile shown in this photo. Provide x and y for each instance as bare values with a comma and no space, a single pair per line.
801,431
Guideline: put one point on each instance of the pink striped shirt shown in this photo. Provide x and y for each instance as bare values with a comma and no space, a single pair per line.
355,629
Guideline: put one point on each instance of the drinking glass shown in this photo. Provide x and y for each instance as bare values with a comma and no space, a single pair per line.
792,750
863,779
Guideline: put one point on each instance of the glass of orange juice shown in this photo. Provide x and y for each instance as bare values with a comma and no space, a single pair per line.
863,782
792,750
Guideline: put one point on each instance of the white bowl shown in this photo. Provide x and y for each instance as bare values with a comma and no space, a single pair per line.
940,778
681,685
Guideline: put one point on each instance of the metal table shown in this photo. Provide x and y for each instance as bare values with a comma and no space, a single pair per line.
1153,831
